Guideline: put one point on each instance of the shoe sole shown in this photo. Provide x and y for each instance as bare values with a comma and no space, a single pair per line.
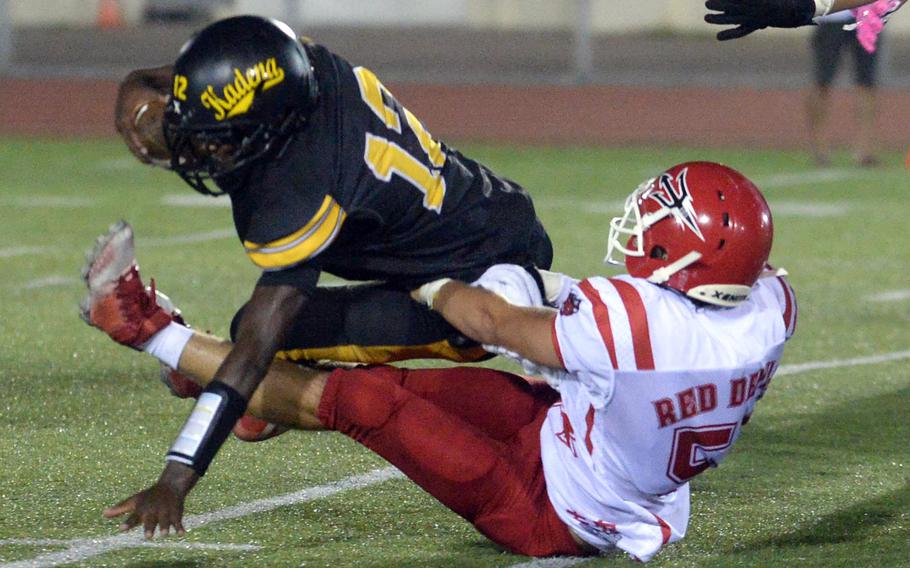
112,256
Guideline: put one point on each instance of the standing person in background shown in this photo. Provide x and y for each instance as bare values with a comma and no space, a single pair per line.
829,42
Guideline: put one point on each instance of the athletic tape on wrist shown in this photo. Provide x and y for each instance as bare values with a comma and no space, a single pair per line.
217,410
428,291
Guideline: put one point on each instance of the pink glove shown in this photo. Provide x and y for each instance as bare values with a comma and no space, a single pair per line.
870,20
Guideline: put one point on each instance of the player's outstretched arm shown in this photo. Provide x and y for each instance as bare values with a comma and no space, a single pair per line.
486,317
139,111
747,16
241,370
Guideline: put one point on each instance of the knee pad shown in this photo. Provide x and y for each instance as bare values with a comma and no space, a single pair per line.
369,397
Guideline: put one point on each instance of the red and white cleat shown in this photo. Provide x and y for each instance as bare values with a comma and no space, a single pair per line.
131,313
176,382
252,429
118,303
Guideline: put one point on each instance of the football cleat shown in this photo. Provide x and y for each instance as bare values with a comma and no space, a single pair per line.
176,382
118,303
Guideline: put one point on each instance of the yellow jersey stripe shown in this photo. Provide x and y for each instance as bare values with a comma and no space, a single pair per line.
377,354
301,245
327,204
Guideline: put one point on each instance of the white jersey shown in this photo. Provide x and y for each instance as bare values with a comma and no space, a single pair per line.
656,390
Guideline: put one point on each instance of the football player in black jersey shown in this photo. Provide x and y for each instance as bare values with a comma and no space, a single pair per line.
326,171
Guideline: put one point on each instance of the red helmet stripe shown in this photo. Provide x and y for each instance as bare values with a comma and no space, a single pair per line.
601,317
638,322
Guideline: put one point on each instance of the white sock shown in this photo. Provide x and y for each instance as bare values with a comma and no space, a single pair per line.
167,345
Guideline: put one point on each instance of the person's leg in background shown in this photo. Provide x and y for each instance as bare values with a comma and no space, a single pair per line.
827,40
866,79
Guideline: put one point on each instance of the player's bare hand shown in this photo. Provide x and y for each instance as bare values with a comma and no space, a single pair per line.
141,99
158,506
161,505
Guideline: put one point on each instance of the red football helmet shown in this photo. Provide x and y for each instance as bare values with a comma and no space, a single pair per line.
700,228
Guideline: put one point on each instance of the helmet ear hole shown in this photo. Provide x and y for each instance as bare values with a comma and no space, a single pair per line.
659,252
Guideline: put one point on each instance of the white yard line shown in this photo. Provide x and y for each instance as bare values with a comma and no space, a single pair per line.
47,202
216,235
798,368
553,562
189,238
145,544
810,176
83,549
810,209
191,200
49,281
118,164
889,296
10,252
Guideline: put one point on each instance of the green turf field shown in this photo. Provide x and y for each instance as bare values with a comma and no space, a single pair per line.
821,476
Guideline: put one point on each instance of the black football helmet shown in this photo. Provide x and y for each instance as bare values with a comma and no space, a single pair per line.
242,86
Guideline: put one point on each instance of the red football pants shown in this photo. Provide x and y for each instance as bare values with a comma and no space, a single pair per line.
468,436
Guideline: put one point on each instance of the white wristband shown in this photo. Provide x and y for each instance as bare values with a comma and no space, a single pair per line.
426,294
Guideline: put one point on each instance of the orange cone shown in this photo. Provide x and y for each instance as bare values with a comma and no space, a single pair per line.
907,161
109,15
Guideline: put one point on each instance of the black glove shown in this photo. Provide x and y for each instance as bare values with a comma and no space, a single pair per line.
751,15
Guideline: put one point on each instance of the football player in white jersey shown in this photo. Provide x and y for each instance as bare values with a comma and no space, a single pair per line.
652,376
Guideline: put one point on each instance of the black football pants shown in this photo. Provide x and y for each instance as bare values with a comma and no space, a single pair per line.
371,323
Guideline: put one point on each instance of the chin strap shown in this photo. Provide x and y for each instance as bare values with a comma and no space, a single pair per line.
663,274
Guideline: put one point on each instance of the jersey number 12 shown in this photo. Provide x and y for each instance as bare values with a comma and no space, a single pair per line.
384,157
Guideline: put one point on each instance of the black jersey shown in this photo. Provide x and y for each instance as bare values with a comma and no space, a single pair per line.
366,193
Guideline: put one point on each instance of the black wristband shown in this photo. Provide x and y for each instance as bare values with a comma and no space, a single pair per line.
216,412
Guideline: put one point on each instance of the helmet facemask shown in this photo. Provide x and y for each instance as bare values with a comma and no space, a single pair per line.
204,155
631,228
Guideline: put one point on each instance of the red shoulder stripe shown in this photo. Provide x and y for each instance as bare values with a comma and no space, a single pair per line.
602,317
638,321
